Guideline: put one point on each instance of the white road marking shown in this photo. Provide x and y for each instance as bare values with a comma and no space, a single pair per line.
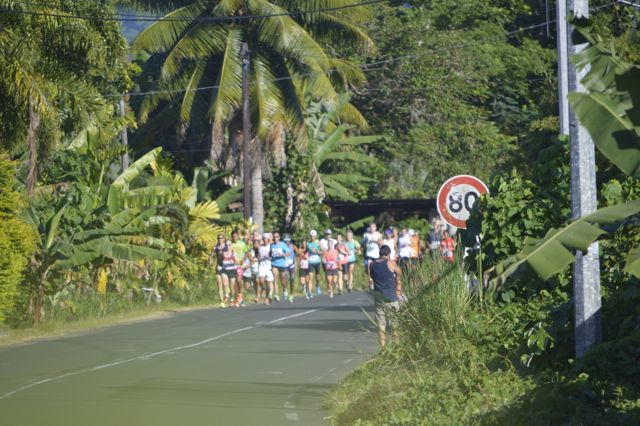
145,357
292,316
316,378
270,372
347,361
290,405
331,370
292,417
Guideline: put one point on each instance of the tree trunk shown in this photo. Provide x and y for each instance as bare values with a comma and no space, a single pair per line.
32,142
290,208
37,312
217,142
257,207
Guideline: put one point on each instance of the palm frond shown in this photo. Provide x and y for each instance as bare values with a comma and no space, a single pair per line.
228,95
162,35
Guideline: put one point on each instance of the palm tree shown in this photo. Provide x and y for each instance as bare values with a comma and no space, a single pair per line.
50,70
196,48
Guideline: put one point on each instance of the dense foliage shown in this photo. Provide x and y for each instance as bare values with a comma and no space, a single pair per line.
17,239
454,91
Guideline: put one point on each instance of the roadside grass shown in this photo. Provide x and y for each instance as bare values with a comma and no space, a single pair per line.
69,313
436,372
60,327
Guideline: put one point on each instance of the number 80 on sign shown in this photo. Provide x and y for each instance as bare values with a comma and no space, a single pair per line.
456,198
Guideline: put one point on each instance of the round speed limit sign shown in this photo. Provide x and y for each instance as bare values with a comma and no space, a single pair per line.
456,198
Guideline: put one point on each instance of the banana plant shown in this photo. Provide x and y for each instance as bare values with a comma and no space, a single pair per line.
610,111
553,253
329,143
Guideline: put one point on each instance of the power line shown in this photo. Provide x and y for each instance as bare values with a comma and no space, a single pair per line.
628,3
364,67
127,18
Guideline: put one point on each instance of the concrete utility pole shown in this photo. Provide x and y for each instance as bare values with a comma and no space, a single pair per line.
125,139
246,131
586,269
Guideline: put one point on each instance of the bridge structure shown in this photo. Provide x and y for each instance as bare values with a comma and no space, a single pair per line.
384,211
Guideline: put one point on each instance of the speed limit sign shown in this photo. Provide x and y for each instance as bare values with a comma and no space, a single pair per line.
456,198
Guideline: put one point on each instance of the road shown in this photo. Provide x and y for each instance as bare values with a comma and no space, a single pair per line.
255,365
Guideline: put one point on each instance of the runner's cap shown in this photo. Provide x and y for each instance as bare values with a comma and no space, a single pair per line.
327,232
313,233
287,237
389,232
265,235
412,232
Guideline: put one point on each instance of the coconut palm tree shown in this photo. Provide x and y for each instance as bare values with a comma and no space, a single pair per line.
50,70
199,44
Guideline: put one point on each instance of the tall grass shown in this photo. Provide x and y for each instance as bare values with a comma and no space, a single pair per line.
434,373
439,300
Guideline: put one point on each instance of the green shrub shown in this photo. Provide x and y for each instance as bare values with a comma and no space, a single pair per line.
17,239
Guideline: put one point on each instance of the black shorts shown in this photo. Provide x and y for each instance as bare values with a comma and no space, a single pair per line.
281,268
331,272
231,273
303,272
314,267
345,267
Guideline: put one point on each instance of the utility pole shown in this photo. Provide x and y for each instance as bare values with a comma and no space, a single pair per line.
125,139
586,269
246,131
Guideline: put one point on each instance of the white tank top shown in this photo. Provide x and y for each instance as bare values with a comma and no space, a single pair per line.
392,246
404,246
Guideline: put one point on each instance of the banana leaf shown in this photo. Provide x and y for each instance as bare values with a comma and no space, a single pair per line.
633,262
554,252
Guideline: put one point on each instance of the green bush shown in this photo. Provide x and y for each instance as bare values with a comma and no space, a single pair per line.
17,239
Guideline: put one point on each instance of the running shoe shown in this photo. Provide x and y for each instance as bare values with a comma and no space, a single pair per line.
318,290
256,300
308,295
276,298
267,301
330,294
350,289
291,298
223,305
242,304
285,295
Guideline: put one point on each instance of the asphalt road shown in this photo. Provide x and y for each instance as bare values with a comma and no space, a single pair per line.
255,365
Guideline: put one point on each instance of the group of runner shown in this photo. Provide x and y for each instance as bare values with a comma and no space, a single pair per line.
263,264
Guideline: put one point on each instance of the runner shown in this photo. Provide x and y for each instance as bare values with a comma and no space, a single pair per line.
447,247
265,274
331,266
371,242
390,241
229,273
250,269
343,254
303,271
315,259
291,263
255,266
221,279
417,248
240,249
279,254
386,276
324,242
434,241
354,249
404,249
